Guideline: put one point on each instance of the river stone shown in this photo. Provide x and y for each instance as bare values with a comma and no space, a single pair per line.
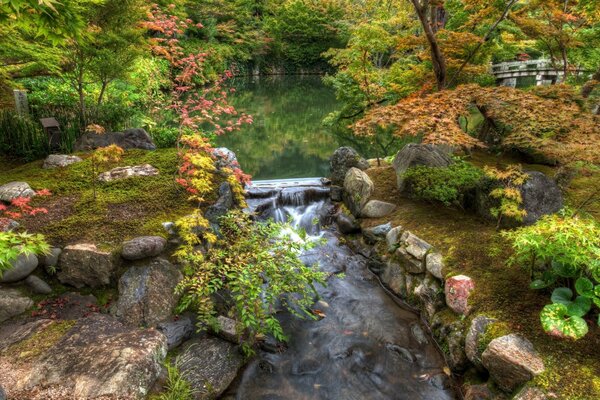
393,237
412,264
8,225
414,245
13,303
393,277
128,172
347,224
227,329
177,331
342,160
530,393
458,289
37,285
511,361
430,295
209,364
60,160
147,293
222,206
376,233
225,158
434,264
377,209
358,188
129,139
21,268
50,259
84,265
99,356
418,154
476,330
13,190
478,392
336,193
143,247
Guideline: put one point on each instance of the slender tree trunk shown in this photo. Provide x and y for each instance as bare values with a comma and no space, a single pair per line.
590,85
102,91
437,57
81,94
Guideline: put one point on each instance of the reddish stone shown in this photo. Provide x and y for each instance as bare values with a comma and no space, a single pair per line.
458,289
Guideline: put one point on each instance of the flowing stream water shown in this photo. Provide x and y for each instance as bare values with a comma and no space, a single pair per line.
367,347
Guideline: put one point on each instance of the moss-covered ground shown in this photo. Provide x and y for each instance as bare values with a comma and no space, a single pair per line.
473,247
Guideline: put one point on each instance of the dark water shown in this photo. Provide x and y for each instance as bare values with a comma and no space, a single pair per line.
287,139
365,348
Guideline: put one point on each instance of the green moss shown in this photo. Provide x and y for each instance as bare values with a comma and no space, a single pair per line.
493,331
40,341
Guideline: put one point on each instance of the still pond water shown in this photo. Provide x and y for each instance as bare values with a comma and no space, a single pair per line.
287,139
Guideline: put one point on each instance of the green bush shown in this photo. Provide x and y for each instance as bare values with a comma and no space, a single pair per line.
21,136
447,185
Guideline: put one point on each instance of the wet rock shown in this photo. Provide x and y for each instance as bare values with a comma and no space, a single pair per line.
224,203
8,225
419,334
85,265
393,237
530,393
458,289
376,233
347,224
50,259
209,364
358,189
60,161
225,158
377,209
143,247
393,277
146,293
430,295
128,172
2,393
457,359
99,356
434,264
176,332
478,392
342,160
129,139
512,361
418,154
13,303
13,190
440,381
336,193
476,330
37,285
21,268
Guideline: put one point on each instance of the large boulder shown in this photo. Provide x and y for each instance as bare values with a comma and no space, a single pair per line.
222,206
85,265
358,189
128,172
13,190
13,303
377,209
60,160
458,290
21,268
511,361
209,364
129,139
418,154
541,196
342,160
347,224
146,293
99,356
143,247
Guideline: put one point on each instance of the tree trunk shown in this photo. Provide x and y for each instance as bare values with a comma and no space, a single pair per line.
590,85
102,91
437,57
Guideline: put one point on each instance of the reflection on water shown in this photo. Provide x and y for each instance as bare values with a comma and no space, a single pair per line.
287,139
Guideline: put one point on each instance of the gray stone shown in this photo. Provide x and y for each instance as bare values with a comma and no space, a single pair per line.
228,329
477,328
377,209
19,330
393,237
37,285
8,225
431,296
147,293
222,206
450,332
434,264
412,265
60,160
419,334
50,259
84,265
177,331
393,277
143,247
128,139
13,303
225,158
376,233
342,160
336,193
347,224
209,364
128,172
511,361
418,154
13,190
530,393
358,189
99,356
2,393
541,196
415,246
412,283
21,268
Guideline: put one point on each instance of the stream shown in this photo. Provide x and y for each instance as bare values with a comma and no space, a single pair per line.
366,346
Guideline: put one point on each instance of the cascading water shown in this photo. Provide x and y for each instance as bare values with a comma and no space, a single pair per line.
365,348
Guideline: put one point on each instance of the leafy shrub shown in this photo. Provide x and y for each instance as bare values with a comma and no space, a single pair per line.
254,267
562,250
507,192
13,245
447,185
21,136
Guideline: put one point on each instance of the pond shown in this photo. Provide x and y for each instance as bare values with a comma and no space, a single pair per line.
287,139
